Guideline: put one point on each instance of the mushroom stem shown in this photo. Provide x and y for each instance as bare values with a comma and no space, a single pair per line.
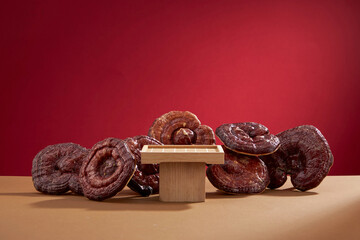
143,190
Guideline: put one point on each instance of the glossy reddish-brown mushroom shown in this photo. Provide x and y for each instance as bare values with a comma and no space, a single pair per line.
145,174
248,138
304,154
181,128
239,174
55,169
108,168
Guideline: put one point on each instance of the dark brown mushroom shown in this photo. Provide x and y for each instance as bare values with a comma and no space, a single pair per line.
181,128
248,138
204,135
304,154
108,168
145,174
55,169
239,174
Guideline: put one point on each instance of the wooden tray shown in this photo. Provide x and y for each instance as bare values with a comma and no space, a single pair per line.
211,154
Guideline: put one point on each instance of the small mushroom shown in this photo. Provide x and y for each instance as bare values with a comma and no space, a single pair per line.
248,138
204,135
304,154
181,128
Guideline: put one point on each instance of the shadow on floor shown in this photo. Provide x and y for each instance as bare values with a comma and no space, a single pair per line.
126,200
288,192
34,194
218,194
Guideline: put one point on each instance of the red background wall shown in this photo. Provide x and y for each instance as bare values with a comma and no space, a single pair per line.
82,71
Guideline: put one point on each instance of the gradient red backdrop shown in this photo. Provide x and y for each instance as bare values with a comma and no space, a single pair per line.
81,71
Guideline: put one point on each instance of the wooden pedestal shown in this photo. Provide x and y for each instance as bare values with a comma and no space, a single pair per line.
182,169
182,182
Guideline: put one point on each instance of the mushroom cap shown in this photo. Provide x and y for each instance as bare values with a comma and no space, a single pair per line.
239,174
204,135
145,174
55,168
248,138
304,154
107,170
181,127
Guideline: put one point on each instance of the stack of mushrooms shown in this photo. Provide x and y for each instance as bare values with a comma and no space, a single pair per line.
254,159
243,171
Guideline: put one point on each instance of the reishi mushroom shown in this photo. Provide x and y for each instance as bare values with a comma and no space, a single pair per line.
55,169
248,138
181,128
304,154
107,170
145,174
239,174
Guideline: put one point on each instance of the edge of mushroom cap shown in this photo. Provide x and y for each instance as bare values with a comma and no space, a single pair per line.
210,173
134,141
208,130
158,121
93,150
35,164
162,125
222,134
310,184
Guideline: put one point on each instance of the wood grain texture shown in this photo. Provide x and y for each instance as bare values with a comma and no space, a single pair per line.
182,169
182,182
211,154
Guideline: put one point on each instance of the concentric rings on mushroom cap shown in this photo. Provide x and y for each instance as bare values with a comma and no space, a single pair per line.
108,168
248,138
304,154
239,174
55,169
181,127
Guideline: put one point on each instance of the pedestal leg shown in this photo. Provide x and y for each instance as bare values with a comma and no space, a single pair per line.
182,182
